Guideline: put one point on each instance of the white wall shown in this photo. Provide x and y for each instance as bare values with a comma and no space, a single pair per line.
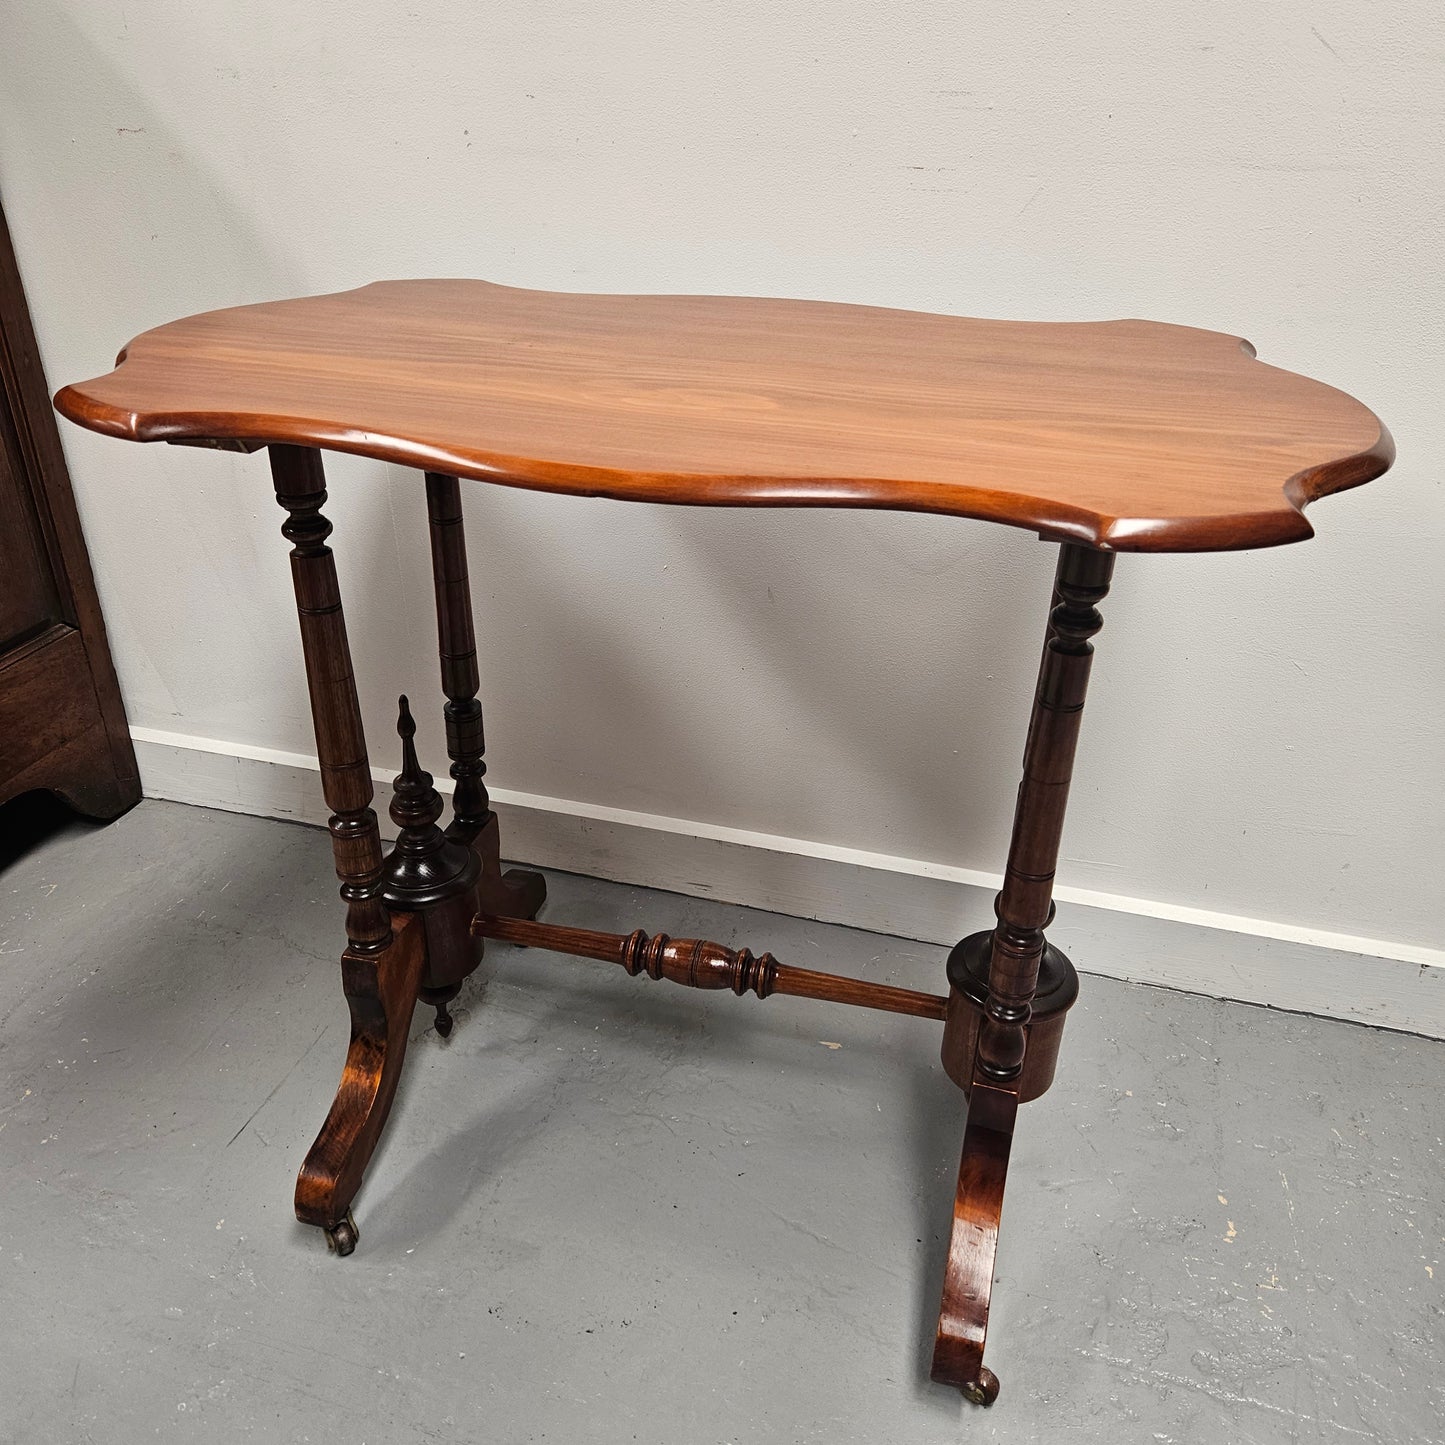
1265,733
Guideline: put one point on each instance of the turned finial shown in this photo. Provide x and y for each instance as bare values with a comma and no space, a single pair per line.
415,802
427,873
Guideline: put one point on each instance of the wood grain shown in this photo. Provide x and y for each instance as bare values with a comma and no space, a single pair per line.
381,992
1002,1033
300,484
1025,903
972,1248
518,892
968,996
698,963
1123,435
457,650
433,876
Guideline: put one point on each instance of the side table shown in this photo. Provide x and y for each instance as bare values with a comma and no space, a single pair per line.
1102,437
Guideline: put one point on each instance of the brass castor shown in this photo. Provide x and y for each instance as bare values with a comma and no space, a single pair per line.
341,1238
984,1390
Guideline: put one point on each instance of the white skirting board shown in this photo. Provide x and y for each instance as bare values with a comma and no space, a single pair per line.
1399,986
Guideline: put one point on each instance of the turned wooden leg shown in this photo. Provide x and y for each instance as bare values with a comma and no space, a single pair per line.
988,1046
381,972
517,893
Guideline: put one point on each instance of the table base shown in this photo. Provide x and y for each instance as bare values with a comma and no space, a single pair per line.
418,916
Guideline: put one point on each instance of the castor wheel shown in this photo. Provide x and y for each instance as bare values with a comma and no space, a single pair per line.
341,1238
984,1390
444,1021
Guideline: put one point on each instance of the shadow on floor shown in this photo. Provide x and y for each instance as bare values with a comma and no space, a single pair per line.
32,819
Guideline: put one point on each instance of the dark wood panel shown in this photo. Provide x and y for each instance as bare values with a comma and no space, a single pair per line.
64,727
51,730
29,597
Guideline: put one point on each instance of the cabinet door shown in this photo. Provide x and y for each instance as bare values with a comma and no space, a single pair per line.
29,598
62,725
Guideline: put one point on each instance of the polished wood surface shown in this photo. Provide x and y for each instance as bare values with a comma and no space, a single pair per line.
428,872
381,992
62,724
300,483
457,651
1125,435
1001,1030
518,892
380,971
408,913
697,963
1025,903
1103,436
972,1249
968,999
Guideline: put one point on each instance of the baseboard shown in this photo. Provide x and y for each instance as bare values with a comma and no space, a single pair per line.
1398,986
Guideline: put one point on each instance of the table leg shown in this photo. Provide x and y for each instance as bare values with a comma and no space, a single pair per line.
381,968
1024,908
453,951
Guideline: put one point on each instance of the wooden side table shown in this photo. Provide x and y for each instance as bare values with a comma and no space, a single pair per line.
1121,436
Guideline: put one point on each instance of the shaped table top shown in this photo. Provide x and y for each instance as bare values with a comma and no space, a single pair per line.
1125,435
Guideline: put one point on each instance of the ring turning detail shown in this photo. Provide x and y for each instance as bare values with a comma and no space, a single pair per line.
1101,437
999,1044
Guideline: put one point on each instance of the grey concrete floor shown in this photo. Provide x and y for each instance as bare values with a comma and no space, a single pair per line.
616,1210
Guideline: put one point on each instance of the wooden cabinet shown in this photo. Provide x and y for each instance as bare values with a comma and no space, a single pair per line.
62,725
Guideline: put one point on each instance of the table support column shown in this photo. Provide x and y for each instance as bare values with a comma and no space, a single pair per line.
1024,908
381,967
518,893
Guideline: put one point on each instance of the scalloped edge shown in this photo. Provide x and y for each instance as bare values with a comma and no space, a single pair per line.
1053,521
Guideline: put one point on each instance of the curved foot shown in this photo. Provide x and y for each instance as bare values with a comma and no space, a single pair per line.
444,1021
341,1238
973,1245
381,993
517,893
524,891
984,1390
